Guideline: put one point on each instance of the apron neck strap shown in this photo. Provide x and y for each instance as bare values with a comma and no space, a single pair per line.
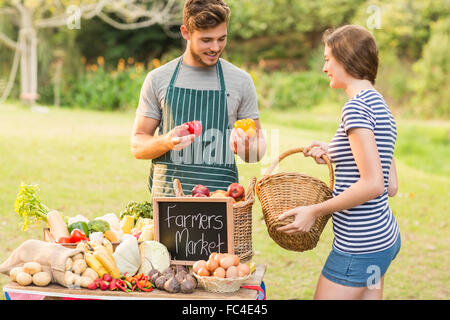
218,68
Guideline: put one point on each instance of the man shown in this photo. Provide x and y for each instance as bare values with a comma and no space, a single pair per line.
200,86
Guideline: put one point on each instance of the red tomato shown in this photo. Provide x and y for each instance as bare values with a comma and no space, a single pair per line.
64,240
77,236
195,127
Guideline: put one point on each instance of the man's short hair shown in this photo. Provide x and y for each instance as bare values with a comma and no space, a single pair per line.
205,14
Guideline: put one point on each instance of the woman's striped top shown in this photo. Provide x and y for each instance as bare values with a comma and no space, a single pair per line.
371,226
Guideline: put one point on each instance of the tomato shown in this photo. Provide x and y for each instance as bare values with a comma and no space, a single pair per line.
77,235
247,125
64,240
194,127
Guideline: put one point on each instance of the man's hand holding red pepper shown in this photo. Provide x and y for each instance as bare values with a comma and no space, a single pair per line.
183,135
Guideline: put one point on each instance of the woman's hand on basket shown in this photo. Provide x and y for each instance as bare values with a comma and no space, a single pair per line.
316,150
304,218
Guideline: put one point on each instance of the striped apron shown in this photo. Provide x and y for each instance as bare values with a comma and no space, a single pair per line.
209,159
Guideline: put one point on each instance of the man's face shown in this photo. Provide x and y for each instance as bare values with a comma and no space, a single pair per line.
207,45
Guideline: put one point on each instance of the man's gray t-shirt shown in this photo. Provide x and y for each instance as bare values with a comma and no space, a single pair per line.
240,89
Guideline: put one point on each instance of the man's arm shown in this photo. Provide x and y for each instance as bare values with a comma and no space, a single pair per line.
145,145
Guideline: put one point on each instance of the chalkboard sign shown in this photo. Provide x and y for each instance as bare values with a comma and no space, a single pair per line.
193,228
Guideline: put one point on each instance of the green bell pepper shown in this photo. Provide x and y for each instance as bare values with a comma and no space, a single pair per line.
81,226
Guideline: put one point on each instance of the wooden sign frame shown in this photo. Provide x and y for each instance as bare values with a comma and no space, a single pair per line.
229,220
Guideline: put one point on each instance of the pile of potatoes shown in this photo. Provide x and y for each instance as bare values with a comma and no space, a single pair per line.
30,273
77,274
221,265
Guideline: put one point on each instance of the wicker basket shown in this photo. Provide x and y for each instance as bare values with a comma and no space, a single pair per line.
221,285
283,191
242,217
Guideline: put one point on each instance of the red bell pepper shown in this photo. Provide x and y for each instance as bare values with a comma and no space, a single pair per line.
194,127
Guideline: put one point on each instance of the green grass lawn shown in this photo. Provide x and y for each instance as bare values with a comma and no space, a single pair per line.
82,162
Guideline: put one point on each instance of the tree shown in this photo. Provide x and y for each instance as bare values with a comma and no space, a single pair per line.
28,16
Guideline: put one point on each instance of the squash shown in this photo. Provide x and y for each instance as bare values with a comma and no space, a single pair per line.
127,255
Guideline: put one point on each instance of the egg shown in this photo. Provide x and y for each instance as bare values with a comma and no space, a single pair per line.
219,272
211,265
232,272
237,260
227,262
219,257
243,269
203,272
212,255
199,264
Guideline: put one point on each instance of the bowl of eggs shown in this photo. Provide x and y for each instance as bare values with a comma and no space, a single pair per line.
222,272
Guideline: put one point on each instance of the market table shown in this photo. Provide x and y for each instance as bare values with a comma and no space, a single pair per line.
58,291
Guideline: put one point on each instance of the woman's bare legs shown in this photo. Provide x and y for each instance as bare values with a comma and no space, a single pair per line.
328,290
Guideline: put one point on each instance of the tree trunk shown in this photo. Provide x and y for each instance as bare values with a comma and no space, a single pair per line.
28,60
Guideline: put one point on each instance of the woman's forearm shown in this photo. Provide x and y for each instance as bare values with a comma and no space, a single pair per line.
357,194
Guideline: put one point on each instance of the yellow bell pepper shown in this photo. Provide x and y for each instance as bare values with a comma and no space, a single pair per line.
247,125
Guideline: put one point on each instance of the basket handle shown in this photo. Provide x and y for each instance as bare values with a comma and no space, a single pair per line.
250,195
298,150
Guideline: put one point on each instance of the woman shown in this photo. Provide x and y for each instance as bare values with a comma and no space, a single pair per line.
366,233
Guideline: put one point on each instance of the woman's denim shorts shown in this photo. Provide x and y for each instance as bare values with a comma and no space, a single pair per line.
359,270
